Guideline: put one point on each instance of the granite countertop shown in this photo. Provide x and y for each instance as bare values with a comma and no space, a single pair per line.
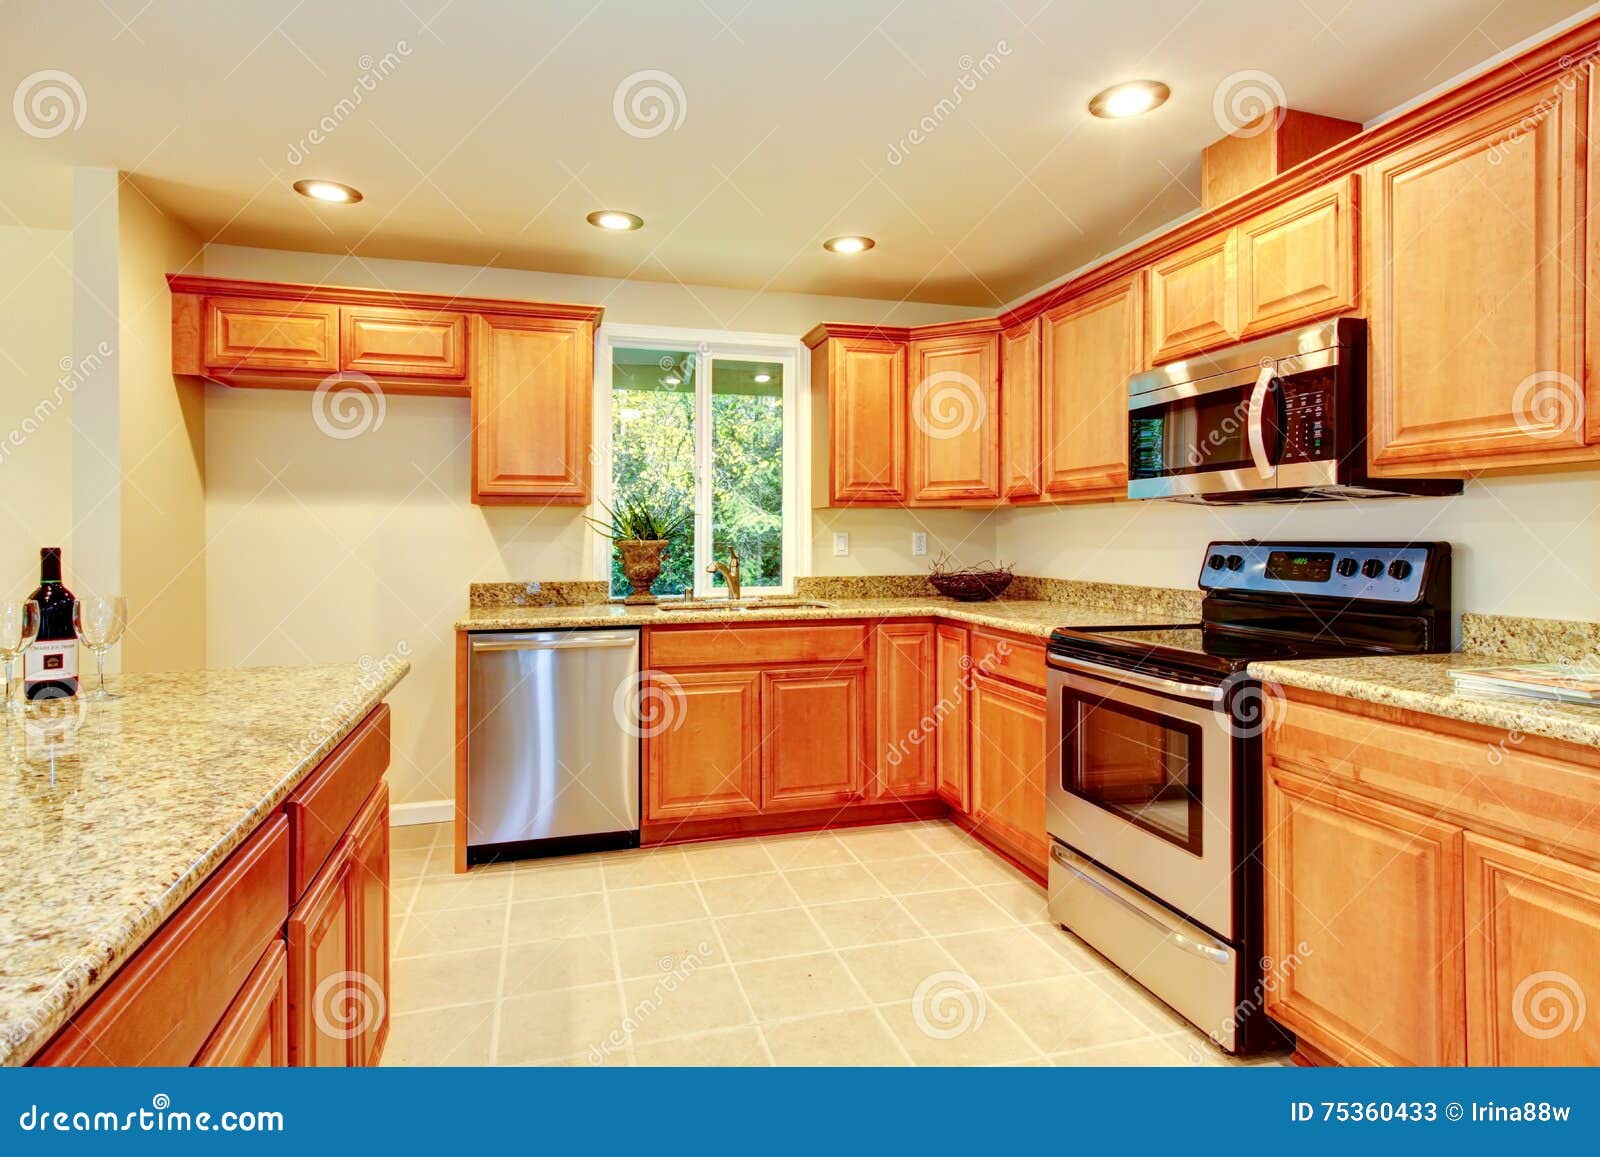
116,813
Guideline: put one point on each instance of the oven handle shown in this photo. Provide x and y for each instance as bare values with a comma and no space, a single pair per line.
1173,936
1257,417
1199,691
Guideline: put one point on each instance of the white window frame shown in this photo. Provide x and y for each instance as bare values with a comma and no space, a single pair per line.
707,346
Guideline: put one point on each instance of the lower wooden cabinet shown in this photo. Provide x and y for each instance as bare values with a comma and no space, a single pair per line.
952,685
811,743
255,1031
370,837
1008,769
702,762
324,965
903,666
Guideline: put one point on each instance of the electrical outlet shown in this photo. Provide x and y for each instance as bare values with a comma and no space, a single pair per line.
841,544
919,542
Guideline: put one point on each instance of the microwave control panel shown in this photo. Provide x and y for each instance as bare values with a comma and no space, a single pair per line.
1355,570
1308,418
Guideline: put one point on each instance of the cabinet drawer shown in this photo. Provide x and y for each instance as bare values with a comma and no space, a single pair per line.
248,333
322,808
417,343
255,1031
165,1003
721,646
1004,657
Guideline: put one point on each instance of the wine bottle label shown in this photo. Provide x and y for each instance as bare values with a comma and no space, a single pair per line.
47,661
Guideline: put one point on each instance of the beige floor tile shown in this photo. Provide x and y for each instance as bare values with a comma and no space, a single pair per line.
799,986
945,913
892,972
655,904
763,935
549,1025
730,1047
409,863
839,882
957,1027
1006,956
925,873
544,883
683,1002
889,842
807,850
858,922
415,835
982,866
1027,903
418,983
739,858
451,930
1067,1014
1156,1052
450,1036
856,1038
476,889
553,919
740,895
645,868
658,948
942,837
543,965
605,1056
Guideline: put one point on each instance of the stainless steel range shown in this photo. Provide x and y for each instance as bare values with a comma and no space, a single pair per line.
1154,795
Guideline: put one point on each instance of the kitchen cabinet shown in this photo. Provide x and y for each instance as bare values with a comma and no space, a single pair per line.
858,382
1090,346
1475,240
1297,263
408,342
703,762
903,663
1021,450
952,707
325,983
369,837
812,738
1194,304
954,410
1008,769
253,334
254,1032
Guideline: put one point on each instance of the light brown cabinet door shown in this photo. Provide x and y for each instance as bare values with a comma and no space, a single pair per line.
952,681
903,666
1364,917
369,836
704,762
1009,765
1089,347
1533,958
1020,448
324,959
866,421
1297,263
531,410
1474,252
415,343
954,410
1194,299
255,1031
253,334
813,737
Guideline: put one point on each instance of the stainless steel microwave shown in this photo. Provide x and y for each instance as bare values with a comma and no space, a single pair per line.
1281,419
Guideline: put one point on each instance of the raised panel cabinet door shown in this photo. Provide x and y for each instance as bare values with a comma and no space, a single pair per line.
369,835
903,668
249,333
867,420
324,954
1089,348
1194,299
952,680
255,1031
1363,916
1298,262
417,343
1473,253
1009,765
703,760
531,410
1533,958
813,736
954,407
1020,446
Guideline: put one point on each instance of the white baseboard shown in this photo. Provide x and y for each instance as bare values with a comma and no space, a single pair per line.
429,811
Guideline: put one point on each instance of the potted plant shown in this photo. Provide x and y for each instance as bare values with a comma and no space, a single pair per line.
641,533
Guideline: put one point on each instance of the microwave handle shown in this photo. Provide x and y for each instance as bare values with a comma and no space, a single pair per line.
1255,419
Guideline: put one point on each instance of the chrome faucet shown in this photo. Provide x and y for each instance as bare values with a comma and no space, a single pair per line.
730,574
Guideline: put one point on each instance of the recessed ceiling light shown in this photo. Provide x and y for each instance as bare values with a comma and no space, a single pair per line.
1129,99
615,219
763,379
331,191
852,243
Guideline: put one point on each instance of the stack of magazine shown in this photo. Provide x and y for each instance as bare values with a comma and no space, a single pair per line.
1564,682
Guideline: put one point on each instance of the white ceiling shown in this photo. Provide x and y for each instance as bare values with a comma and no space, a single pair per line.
494,133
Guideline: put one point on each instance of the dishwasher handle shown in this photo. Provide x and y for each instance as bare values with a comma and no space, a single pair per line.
576,642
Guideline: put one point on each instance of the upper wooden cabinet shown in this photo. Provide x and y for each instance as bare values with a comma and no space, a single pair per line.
252,334
1297,262
1194,301
858,428
1090,346
411,342
1475,243
531,410
1020,446
954,411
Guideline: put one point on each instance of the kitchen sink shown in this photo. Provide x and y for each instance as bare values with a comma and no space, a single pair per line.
775,603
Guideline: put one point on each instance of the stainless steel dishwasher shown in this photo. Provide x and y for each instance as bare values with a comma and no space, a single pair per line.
552,755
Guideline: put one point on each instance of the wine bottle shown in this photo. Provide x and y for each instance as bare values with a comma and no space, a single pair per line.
50,666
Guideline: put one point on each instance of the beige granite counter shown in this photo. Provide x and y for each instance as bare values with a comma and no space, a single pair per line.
113,813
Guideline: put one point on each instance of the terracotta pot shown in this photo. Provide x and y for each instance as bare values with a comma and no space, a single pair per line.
641,566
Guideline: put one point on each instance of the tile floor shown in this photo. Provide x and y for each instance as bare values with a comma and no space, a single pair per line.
908,944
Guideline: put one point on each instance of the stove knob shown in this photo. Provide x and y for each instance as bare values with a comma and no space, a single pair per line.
1372,568
1400,569
1235,562
1216,562
1348,567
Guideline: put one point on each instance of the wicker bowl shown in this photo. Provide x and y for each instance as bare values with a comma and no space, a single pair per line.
972,586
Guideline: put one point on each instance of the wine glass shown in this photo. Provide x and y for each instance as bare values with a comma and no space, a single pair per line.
100,621
19,624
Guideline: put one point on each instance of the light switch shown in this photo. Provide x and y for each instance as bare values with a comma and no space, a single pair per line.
919,542
841,544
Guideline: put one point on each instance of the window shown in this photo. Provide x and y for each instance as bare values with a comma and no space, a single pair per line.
704,425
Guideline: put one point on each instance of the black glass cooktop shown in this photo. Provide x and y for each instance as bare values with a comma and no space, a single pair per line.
1194,648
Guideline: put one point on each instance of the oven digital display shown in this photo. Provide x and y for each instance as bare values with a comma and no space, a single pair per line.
1300,566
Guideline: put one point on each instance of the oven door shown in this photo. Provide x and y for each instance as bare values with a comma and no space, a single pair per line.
1141,782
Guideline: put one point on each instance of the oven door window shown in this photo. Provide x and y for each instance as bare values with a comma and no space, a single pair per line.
1136,764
